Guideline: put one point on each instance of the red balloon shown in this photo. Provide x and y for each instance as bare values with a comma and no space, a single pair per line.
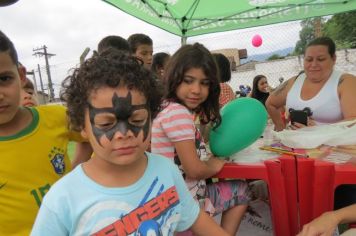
257,40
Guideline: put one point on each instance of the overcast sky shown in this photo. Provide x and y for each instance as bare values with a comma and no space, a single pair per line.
67,27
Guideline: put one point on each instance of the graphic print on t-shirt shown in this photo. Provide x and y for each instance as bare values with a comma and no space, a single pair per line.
154,215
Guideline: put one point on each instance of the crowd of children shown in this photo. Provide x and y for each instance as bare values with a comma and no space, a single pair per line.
116,110
111,101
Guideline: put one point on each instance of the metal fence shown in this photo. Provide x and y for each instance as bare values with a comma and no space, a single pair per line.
277,39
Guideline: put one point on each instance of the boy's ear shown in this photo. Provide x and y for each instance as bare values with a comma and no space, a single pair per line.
22,73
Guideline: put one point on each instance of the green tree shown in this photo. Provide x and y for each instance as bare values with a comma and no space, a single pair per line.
342,28
306,35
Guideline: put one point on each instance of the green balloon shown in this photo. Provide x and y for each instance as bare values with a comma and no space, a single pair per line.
243,122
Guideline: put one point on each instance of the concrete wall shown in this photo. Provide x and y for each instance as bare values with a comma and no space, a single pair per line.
289,67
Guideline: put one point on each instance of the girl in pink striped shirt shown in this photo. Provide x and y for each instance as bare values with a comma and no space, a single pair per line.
193,88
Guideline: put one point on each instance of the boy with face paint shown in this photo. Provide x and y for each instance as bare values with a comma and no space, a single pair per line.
121,190
33,147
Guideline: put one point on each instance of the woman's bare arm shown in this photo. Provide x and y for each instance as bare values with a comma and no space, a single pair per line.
347,94
276,101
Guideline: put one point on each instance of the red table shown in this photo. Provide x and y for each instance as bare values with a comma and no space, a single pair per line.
317,181
300,189
280,176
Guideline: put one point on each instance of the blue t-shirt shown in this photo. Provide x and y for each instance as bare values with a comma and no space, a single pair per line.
159,203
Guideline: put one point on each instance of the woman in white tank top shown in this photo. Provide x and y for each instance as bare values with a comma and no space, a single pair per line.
329,94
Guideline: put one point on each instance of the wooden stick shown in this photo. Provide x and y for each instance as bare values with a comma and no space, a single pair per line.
282,151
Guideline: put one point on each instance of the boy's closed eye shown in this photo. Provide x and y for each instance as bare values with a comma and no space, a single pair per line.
104,121
138,117
137,122
105,126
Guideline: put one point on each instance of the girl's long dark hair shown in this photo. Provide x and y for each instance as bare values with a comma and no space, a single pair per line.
195,56
256,93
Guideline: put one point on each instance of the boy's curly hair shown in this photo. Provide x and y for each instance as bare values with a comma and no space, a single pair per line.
111,68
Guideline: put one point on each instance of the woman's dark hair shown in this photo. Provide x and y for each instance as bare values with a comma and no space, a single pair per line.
224,67
109,68
256,93
186,58
324,41
158,61
6,45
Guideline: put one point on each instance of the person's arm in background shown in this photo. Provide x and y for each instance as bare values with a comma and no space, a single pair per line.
328,221
83,152
276,101
346,89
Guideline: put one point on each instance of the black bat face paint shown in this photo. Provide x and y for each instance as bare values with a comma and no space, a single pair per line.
117,118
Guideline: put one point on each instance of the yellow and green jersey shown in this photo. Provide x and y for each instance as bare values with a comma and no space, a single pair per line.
30,162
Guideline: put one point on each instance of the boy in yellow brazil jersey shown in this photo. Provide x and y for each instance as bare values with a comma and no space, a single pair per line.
33,147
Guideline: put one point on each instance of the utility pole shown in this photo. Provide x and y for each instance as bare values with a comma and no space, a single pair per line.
42,51
43,95
39,73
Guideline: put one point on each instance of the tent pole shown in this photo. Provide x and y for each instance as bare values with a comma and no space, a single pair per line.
183,40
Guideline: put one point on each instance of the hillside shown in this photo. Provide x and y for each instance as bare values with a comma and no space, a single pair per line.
263,57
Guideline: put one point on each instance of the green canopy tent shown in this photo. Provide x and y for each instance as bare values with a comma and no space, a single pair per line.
187,18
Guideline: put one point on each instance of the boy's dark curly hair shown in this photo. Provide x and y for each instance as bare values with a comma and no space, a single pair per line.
111,68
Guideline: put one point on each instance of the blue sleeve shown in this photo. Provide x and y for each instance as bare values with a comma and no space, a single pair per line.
48,223
190,208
